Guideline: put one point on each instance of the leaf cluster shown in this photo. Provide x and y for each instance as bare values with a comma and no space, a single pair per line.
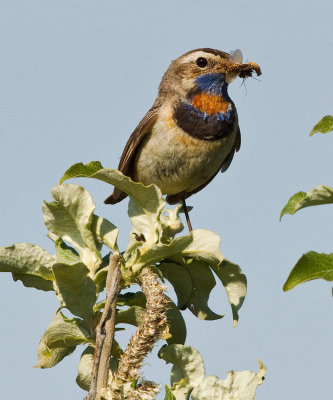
76,273
188,380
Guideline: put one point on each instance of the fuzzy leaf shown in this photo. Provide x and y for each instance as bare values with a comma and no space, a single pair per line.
240,385
146,201
235,284
70,216
317,196
66,254
325,125
180,279
310,266
200,244
26,258
85,368
171,223
136,303
81,170
187,371
86,363
158,252
100,279
132,299
105,232
101,274
48,358
132,316
205,247
60,340
176,323
76,290
65,332
203,282
28,263
33,281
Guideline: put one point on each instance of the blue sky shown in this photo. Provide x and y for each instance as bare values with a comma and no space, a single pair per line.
77,76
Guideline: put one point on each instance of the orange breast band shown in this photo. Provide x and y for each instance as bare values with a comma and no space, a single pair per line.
210,103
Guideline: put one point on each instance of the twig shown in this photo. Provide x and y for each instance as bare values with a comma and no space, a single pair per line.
142,342
105,331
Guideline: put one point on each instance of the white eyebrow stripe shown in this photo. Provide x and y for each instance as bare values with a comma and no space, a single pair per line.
193,56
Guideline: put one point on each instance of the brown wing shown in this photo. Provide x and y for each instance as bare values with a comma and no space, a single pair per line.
126,160
175,198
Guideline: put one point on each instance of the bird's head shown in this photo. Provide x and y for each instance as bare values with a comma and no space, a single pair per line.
206,70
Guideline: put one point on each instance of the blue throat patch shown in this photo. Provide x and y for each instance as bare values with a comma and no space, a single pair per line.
213,84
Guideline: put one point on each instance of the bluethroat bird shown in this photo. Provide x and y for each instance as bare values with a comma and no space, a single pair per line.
191,132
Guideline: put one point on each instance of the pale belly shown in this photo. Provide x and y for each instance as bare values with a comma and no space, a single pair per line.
177,162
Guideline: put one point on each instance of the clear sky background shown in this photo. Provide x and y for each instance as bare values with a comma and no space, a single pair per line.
75,79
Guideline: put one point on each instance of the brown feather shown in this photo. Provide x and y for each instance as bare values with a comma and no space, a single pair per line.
127,158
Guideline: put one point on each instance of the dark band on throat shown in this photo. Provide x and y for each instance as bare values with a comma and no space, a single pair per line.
204,126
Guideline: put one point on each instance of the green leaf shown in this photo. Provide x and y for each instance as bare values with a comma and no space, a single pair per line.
76,290
85,368
310,266
101,274
132,316
48,358
70,216
200,244
105,232
116,352
235,284
317,196
100,278
132,299
28,263
66,254
187,371
205,247
203,282
180,279
171,223
156,253
240,385
60,339
26,258
65,332
325,125
33,281
146,201
144,214
168,394
81,170
128,299
176,323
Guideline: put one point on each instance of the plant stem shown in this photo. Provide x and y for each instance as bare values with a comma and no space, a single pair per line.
142,342
105,331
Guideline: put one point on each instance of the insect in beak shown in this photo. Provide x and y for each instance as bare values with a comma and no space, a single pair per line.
236,67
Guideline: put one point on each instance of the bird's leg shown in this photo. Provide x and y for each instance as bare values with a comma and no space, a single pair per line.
187,215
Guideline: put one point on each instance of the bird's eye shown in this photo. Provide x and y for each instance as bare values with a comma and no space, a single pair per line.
201,62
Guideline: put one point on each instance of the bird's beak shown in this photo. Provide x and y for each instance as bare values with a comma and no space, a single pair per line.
235,67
